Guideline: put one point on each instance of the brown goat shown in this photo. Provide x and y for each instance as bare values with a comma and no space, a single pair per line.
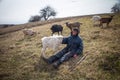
106,20
73,25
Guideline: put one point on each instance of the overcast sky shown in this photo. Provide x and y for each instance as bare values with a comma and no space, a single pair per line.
19,11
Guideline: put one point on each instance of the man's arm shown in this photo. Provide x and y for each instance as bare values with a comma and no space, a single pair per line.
80,48
65,41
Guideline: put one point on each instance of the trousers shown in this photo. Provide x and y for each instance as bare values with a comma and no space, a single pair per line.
61,56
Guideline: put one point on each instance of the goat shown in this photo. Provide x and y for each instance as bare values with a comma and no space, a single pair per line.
29,32
95,20
51,42
106,20
73,25
56,28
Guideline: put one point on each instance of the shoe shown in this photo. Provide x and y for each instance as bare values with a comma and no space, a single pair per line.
56,65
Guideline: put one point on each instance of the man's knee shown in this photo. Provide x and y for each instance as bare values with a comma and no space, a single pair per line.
60,54
66,57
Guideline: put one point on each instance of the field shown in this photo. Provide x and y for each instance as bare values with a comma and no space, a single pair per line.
20,55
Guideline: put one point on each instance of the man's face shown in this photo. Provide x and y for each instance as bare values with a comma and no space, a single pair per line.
74,32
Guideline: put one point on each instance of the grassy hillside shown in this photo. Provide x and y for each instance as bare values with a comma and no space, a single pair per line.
20,55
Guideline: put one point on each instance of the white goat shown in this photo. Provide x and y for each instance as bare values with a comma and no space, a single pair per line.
29,32
51,42
96,19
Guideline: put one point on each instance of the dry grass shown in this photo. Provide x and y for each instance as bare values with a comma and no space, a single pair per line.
20,55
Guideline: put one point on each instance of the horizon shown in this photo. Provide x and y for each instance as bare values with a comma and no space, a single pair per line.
61,18
19,12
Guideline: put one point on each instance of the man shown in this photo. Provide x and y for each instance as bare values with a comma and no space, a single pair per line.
74,47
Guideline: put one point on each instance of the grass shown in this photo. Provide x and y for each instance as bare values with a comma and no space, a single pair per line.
20,55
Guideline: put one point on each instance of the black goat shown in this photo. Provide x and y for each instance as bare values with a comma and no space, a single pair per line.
56,28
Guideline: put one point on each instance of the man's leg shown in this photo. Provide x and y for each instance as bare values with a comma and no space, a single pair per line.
56,56
65,57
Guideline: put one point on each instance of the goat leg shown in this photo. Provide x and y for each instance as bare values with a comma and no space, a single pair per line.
52,33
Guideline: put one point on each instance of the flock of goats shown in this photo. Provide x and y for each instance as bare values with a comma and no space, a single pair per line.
54,41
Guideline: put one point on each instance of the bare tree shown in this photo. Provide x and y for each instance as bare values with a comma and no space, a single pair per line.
47,12
116,7
35,18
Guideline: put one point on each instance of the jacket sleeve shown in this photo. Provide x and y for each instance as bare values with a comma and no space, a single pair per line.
65,41
80,48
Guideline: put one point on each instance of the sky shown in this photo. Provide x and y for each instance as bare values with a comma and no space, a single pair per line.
19,11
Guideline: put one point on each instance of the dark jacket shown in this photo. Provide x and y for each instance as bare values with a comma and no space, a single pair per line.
74,44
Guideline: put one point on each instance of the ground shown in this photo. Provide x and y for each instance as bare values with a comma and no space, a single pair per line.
20,55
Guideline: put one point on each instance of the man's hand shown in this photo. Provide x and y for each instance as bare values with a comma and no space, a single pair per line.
75,56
